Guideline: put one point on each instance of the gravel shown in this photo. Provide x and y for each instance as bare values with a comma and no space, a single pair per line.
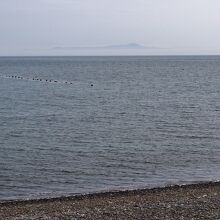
196,201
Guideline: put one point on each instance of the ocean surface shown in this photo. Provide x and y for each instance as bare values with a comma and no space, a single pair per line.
71,125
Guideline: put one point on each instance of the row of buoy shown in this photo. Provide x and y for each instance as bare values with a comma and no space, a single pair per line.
38,79
35,79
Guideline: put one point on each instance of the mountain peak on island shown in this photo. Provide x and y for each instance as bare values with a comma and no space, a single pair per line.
126,46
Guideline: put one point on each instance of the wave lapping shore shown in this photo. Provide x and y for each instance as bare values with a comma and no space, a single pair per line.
195,201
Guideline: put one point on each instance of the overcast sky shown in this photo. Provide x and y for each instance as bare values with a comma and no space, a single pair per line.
39,27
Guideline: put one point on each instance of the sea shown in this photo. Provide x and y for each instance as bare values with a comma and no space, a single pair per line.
75,125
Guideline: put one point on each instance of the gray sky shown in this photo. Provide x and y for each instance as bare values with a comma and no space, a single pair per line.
39,27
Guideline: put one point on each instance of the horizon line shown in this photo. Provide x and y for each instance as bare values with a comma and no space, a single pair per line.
116,55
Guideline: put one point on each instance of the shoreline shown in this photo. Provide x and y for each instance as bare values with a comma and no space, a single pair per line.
110,192
197,200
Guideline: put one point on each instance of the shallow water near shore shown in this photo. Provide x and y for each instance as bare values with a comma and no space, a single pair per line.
71,125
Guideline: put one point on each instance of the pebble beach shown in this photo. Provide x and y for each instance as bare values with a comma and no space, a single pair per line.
196,201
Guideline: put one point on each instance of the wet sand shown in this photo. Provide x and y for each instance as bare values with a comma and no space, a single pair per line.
196,201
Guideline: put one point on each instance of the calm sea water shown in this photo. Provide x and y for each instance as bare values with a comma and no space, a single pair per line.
145,122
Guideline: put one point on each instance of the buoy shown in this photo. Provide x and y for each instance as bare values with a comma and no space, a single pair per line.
38,79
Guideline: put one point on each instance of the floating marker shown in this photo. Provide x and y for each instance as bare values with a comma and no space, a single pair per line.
37,79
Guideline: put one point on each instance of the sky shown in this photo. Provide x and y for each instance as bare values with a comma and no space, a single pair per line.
88,27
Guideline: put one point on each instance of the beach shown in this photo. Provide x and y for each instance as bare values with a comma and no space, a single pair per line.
195,201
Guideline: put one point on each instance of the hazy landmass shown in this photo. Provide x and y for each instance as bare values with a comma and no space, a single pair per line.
118,46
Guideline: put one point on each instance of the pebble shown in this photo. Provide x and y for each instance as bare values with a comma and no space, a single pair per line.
199,201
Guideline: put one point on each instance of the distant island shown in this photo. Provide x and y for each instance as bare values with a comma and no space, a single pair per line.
126,46
119,46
